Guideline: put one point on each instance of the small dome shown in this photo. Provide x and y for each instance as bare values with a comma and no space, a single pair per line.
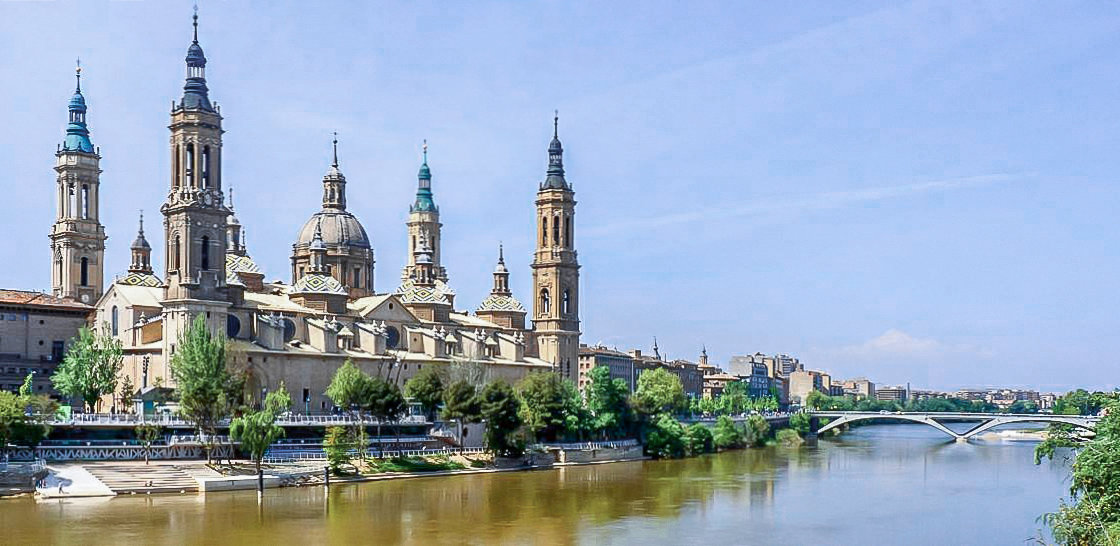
339,228
78,102
195,57
141,243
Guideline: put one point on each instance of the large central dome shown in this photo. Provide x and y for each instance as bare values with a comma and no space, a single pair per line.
339,228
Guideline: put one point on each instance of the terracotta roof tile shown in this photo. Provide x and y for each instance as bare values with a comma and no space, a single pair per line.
38,299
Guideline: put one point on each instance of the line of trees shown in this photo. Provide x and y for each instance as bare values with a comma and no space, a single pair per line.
819,401
23,417
733,400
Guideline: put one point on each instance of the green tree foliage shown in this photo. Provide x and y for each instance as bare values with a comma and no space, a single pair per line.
659,392
788,437
545,403
699,439
1022,406
607,402
426,388
578,421
127,392
147,435
257,430
385,403
337,444
817,400
1093,514
460,403
350,391
666,438
207,391
1083,402
23,419
501,409
89,369
727,435
800,423
757,430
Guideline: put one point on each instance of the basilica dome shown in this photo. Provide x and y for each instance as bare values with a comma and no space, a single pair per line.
339,228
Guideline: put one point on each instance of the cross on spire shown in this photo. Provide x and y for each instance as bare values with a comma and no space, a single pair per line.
78,75
425,147
141,221
195,23
501,253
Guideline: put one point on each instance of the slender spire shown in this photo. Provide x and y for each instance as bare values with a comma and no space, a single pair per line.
195,23
424,201
195,92
231,198
77,133
334,143
78,75
501,254
554,179
141,222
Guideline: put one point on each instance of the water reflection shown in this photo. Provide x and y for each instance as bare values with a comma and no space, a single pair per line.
890,484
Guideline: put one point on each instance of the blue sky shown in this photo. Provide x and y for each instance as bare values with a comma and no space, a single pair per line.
918,192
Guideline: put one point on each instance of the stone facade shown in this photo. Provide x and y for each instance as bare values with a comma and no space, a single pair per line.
35,331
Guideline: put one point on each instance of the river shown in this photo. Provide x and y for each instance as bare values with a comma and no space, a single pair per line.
879,484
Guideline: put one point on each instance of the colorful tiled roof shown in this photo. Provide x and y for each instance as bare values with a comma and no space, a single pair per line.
140,279
318,283
498,302
411,293
240,264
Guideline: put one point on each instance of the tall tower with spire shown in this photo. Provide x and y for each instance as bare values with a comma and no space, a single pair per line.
423,223
556,268
77,236
195,215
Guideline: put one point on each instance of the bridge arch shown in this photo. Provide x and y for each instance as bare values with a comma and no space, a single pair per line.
923,419
987,421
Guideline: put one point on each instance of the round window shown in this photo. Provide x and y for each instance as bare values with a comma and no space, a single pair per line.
289,329
394,337
233,326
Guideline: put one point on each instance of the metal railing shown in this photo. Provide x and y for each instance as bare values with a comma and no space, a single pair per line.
611,444
301,456
293,419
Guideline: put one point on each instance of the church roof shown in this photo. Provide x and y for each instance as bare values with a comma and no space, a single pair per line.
339,228
140,279
409,292
236,263
318,284
499,302
38,299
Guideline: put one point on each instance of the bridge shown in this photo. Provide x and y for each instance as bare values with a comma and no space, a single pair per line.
986,421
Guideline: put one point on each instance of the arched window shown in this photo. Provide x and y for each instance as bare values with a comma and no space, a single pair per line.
568,231
85,200
556,231
85,271
190,165
178,164
175,254
544,231
546,303
115,320
205,252
566,302
206,167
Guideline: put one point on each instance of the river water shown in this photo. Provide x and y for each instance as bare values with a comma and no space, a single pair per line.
880,484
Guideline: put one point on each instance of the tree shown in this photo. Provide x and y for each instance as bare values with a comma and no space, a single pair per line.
23,419
207,391
385,403
1093,514
460,404
801,423
727,435
350,391
544,405
426,388
578,422
699,439
1022,406
607,402
258,430
127,392
89,369
147,435
659,392
11,414
337,445
666,438
501,409
757,431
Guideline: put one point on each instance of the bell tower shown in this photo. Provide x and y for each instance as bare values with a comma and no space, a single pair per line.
423,223
556,268
77,236
195,215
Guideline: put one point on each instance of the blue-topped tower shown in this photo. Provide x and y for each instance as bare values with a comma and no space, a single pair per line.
195,215
423,224
77,236
556,267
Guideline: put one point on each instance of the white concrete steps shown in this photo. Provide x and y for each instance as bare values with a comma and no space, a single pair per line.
129,478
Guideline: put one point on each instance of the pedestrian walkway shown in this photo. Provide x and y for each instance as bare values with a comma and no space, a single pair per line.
75,481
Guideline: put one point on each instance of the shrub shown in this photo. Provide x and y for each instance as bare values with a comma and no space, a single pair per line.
666,438
789,437
699,439
757,431
727,435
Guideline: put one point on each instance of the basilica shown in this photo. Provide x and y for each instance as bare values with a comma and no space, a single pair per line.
300,332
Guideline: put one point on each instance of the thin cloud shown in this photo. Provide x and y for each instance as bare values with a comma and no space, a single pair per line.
802,203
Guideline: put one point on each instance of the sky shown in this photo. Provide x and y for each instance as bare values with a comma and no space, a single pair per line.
917,192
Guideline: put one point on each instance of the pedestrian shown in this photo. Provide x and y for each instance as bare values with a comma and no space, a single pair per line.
60,487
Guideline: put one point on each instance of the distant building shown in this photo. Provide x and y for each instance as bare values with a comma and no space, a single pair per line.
803,382
715,383
620,364
892,394
859,388
35,331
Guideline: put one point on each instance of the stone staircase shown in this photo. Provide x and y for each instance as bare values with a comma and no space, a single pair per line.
124,479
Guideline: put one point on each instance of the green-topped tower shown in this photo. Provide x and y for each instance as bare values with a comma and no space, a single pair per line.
423,222
77,236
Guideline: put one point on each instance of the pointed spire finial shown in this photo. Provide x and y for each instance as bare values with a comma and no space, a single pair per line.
196,23
141,221
425,151
556,124
334,143
501,254
78,75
